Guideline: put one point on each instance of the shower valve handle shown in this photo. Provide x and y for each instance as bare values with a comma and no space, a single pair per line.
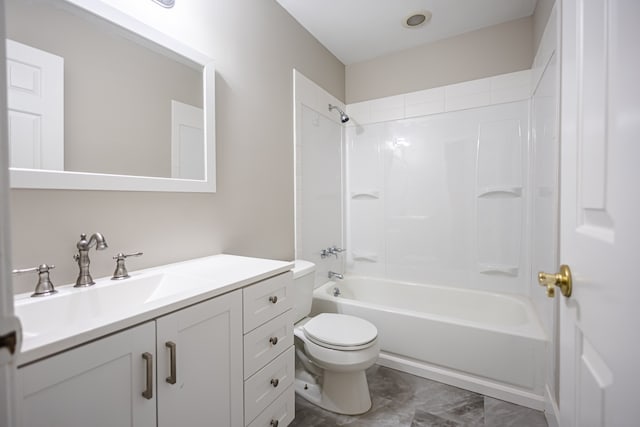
333,250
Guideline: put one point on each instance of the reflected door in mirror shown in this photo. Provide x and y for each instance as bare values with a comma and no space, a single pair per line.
35,98
187,134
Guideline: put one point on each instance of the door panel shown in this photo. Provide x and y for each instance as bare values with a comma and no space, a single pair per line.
600,204
9,324
99,384
208,361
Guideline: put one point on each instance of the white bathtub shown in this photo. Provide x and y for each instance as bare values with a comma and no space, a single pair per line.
485,342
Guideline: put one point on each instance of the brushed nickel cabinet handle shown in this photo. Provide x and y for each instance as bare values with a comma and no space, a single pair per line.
273,299
148,392
275,382
273,340
171,379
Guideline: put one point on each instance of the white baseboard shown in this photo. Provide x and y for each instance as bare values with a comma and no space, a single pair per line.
458,379
551,411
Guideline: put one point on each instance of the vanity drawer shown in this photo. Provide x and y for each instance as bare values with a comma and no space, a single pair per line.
266,342
280,413
267,384
267,299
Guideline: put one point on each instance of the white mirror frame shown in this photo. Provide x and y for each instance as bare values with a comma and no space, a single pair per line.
66,180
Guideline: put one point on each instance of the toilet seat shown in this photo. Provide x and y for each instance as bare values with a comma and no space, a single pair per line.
340,332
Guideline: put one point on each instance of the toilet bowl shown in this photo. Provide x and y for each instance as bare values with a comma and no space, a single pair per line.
332,352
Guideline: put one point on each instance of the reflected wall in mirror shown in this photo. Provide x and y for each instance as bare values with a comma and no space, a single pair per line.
91,98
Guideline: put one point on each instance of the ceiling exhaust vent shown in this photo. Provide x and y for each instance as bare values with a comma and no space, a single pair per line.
417,20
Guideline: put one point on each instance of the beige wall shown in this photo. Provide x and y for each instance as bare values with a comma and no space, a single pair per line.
500,49
540,18
255,45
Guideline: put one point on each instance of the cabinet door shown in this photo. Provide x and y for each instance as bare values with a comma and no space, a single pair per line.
205,341
99,384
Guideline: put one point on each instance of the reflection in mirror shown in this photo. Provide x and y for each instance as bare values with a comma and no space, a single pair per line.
87,96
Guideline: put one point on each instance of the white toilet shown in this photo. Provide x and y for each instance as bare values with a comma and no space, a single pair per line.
332,351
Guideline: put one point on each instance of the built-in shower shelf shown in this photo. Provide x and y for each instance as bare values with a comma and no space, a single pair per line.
500,269
500,192
367,194
365,257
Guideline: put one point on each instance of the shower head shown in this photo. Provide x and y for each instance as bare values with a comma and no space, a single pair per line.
343,116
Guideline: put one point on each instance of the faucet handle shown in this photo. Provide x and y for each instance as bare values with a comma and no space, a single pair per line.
44,286
121,256
336,250
121,269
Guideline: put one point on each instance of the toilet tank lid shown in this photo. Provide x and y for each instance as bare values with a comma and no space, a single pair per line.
302,267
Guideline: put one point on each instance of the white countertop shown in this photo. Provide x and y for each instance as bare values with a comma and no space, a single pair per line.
74,316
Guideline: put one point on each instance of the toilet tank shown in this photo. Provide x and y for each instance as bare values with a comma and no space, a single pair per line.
304,273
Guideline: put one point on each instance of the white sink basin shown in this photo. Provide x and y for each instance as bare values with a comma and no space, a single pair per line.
73,311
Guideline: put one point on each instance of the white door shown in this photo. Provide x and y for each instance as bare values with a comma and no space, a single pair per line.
187,141
200,364
35,90
600,213
9,325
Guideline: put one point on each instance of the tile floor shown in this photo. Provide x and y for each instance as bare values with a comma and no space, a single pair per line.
401,399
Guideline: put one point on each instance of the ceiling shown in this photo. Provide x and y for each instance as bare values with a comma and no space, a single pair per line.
358,30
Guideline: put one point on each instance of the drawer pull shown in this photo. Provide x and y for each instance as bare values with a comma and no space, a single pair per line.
273,299
171,379
148,392
274,423
275,382
273,340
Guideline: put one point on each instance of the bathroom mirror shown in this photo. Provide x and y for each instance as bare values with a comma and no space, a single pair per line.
101,101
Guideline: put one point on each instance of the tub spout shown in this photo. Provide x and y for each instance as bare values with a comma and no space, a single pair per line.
335,275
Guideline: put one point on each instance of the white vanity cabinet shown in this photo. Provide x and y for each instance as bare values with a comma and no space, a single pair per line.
204,342
101,384
268,352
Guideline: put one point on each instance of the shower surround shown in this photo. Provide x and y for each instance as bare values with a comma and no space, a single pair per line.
437,185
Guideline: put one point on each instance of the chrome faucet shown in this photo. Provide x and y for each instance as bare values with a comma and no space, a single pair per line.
83,245
336,275
332,250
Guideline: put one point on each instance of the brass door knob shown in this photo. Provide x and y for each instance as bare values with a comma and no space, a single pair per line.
561,280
